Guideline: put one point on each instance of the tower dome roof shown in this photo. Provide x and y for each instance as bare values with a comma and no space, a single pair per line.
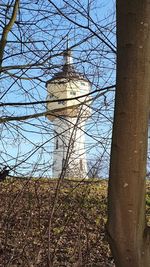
68,70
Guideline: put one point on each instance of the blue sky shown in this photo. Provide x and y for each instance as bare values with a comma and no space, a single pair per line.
28,145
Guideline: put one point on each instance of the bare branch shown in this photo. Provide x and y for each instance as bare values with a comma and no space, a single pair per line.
7,29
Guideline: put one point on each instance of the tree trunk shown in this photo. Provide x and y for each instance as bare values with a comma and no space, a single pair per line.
129,236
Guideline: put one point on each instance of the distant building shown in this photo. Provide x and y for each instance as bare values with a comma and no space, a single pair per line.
69,112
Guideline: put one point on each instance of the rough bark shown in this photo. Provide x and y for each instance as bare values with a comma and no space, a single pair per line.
7,29
128,233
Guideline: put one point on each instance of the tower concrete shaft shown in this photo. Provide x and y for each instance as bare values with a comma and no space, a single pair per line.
69,112
69,157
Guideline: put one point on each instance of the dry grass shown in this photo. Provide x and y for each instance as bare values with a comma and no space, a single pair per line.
40,228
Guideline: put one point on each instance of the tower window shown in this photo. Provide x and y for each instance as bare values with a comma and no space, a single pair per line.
57,143
72,93
51,95
81,165
63,163
61,102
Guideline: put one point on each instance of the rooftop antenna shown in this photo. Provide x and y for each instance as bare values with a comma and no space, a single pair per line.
67,44
68,59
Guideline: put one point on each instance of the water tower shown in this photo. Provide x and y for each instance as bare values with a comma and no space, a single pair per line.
68,90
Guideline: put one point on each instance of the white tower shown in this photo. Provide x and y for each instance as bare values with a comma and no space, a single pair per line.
69,112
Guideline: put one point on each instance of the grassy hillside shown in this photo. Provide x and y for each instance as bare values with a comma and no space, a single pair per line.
41,223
